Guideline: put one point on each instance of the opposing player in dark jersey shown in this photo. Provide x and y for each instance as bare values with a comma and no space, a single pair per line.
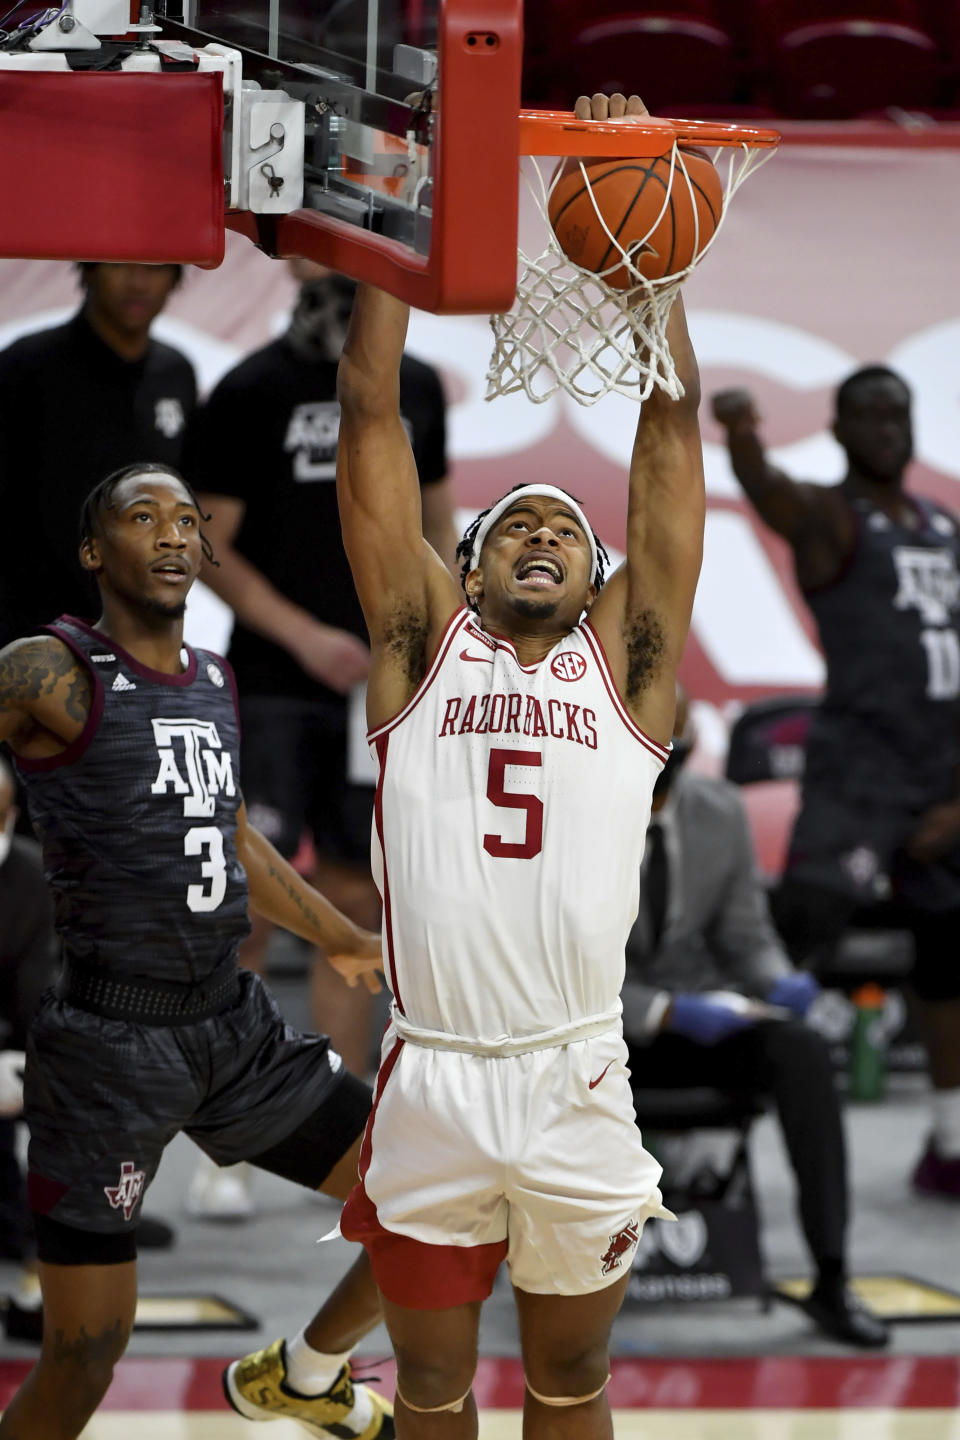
127,741
880,820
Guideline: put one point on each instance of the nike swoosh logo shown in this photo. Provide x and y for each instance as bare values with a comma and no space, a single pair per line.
480,659
595,1083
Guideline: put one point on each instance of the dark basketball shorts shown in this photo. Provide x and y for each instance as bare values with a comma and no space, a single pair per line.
293,758
104,1097
856,851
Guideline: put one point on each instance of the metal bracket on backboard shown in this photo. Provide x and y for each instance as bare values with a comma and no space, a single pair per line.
64,33
271,127
263,138
417,66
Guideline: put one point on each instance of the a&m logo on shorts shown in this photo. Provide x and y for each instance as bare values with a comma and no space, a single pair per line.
124,1196
568,665
620,1244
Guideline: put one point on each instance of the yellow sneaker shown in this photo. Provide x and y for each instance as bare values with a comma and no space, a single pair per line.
257,1388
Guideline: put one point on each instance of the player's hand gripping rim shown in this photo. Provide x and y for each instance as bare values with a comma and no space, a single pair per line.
608,107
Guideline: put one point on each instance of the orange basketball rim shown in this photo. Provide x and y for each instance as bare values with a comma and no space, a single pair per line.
589,331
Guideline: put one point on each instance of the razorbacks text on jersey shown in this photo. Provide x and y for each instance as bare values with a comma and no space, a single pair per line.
512,805
889,726
138,817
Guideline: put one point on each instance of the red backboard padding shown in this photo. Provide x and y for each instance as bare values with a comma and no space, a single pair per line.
112,166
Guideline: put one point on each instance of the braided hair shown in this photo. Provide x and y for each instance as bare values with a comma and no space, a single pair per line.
465,548
100,500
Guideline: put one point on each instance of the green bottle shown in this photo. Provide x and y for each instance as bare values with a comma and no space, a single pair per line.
867,1065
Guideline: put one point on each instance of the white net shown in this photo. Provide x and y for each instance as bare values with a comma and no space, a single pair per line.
569,329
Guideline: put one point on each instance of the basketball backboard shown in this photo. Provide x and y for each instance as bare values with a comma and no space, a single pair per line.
418,195
379,137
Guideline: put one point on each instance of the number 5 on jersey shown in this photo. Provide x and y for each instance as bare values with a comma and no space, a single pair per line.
505,799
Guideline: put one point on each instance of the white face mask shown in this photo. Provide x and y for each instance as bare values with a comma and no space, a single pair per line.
6,837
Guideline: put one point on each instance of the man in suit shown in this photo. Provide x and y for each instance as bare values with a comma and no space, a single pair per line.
711,999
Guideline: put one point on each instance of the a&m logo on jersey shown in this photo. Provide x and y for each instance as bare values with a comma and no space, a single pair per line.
928,582
568,665
127,1192
193,764
620,1245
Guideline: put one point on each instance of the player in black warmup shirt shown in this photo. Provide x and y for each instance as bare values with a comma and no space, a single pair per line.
128,744
878,835
79,401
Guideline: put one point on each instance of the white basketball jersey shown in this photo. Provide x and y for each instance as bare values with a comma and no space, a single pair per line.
511,810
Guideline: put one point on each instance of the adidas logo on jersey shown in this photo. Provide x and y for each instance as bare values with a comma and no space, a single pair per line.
120,682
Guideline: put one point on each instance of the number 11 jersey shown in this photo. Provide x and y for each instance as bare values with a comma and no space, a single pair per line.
511,810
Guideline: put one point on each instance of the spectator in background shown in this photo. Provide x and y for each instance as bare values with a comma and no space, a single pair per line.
878,835
711,999
79,401
262,453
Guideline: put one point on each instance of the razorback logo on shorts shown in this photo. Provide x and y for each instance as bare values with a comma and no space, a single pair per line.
620,1244
124,1195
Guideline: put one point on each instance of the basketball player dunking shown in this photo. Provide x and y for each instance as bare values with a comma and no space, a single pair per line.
518,744
127,743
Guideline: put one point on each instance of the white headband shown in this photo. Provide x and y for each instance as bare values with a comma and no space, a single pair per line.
505,504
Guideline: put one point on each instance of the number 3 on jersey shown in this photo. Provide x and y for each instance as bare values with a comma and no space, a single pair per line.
206,839
505,799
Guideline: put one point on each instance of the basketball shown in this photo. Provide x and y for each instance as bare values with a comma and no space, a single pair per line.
662,226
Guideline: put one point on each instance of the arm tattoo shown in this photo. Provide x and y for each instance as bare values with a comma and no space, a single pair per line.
309,914
79,696
32,670
644,651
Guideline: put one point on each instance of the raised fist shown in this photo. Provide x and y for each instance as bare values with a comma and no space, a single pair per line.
734,409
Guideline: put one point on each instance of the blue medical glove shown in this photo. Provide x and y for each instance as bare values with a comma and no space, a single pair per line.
707,1018
795,992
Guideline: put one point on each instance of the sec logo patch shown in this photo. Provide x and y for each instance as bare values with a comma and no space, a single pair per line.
568,665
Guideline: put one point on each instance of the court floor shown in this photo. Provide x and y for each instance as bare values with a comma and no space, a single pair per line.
759,1373
783,1398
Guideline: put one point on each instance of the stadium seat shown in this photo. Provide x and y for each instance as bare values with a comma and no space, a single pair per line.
720,1192
551,68
838,69
768,738
765,755
681,58
775,18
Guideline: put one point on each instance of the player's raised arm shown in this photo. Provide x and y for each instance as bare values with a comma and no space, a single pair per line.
811,517
643,614
406,593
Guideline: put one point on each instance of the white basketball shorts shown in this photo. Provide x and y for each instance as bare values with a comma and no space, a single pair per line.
469,1159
